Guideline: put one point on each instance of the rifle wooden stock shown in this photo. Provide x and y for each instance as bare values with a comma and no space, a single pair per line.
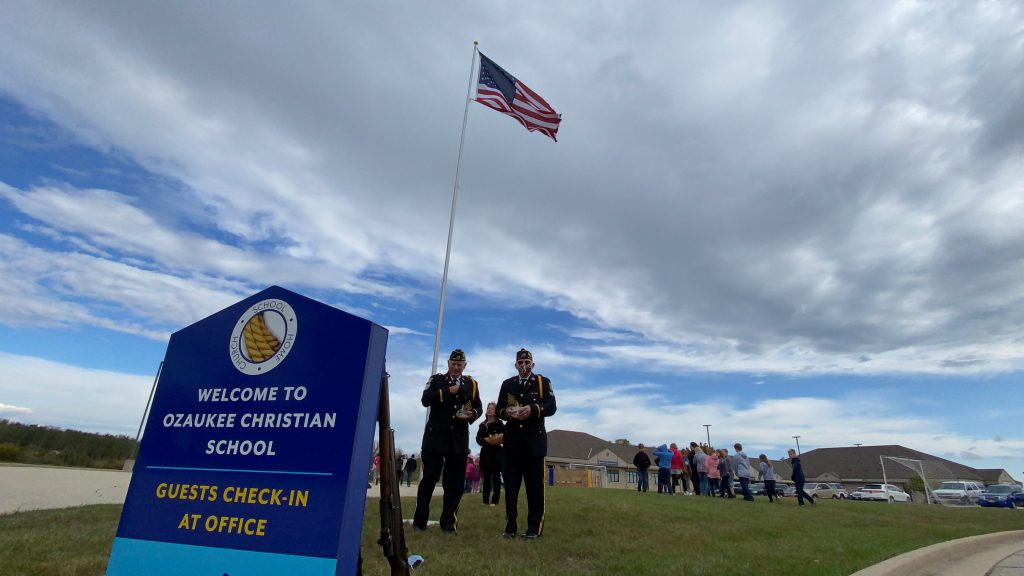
392,533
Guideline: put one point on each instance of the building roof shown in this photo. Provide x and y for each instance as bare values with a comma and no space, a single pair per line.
575,445
783,471
582,446
864,462
993,475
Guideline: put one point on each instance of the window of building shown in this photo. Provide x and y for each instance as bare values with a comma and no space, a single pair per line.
613,475
631,476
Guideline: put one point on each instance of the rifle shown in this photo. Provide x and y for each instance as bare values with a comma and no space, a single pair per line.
392,533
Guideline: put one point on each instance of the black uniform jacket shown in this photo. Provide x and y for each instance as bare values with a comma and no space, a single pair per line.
527,437
445,432
490,454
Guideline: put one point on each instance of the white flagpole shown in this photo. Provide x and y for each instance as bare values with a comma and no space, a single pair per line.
451,222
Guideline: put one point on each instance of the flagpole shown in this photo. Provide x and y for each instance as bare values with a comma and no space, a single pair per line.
451,222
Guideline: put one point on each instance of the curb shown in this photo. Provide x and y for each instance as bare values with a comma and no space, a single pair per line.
971,556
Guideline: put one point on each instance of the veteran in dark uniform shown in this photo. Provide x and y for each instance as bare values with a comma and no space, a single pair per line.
453,402
524,402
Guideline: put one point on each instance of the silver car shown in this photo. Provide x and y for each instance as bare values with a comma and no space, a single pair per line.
957,492
825,490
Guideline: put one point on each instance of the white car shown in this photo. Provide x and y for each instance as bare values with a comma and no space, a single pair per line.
882,492
957,493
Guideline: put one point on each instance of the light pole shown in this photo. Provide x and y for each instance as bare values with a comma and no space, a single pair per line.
797,438
707,428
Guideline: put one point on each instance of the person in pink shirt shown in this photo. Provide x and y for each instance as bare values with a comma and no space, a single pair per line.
471,471
677,470
475,478
711,464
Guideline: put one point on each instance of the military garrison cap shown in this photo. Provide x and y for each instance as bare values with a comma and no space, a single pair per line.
457,356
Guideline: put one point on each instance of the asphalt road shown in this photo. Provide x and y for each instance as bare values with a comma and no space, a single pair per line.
40,487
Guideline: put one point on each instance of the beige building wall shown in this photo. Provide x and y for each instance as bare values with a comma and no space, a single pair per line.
604,469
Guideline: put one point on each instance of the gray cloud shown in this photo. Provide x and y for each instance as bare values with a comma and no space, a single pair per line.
735,182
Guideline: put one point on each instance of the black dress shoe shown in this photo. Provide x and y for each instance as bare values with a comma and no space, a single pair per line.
420,528
530,535
449,530
508,535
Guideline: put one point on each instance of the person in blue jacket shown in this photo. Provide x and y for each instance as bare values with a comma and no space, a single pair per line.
664,457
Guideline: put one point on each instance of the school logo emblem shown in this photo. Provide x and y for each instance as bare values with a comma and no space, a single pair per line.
263,336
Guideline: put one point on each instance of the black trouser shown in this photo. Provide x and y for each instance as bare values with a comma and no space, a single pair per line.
492,483
453,467
529,471
769,489
800,494
725,488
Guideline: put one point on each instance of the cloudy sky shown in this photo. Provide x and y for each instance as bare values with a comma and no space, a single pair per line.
787,219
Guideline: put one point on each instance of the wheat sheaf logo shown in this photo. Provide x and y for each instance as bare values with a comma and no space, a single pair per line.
260,342
263,337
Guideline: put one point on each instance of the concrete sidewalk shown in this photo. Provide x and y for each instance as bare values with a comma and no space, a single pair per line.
999,554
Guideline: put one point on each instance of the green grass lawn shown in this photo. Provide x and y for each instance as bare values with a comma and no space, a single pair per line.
586,532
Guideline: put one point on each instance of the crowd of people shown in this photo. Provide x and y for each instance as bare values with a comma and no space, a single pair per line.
405,467
703,470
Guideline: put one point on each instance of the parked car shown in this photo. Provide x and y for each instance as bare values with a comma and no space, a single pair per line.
825,490
958,492
780,488
737,488
882,492
841,492
1002,496
785,490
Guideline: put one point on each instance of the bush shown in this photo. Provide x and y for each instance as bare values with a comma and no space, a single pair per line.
46,445
10,452
915,484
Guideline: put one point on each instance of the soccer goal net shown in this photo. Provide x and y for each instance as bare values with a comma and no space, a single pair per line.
910,472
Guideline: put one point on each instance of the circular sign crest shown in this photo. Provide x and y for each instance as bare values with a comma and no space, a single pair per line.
263,337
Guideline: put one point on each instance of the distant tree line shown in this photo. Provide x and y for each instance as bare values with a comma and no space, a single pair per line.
33,444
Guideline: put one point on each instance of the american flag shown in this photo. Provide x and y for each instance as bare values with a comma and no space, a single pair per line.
500,90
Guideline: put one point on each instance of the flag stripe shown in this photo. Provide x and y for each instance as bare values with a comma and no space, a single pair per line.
494,90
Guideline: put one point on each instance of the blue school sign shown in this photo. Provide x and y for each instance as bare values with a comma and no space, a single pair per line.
257,446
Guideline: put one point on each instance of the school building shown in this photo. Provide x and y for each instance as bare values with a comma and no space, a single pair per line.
584,460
